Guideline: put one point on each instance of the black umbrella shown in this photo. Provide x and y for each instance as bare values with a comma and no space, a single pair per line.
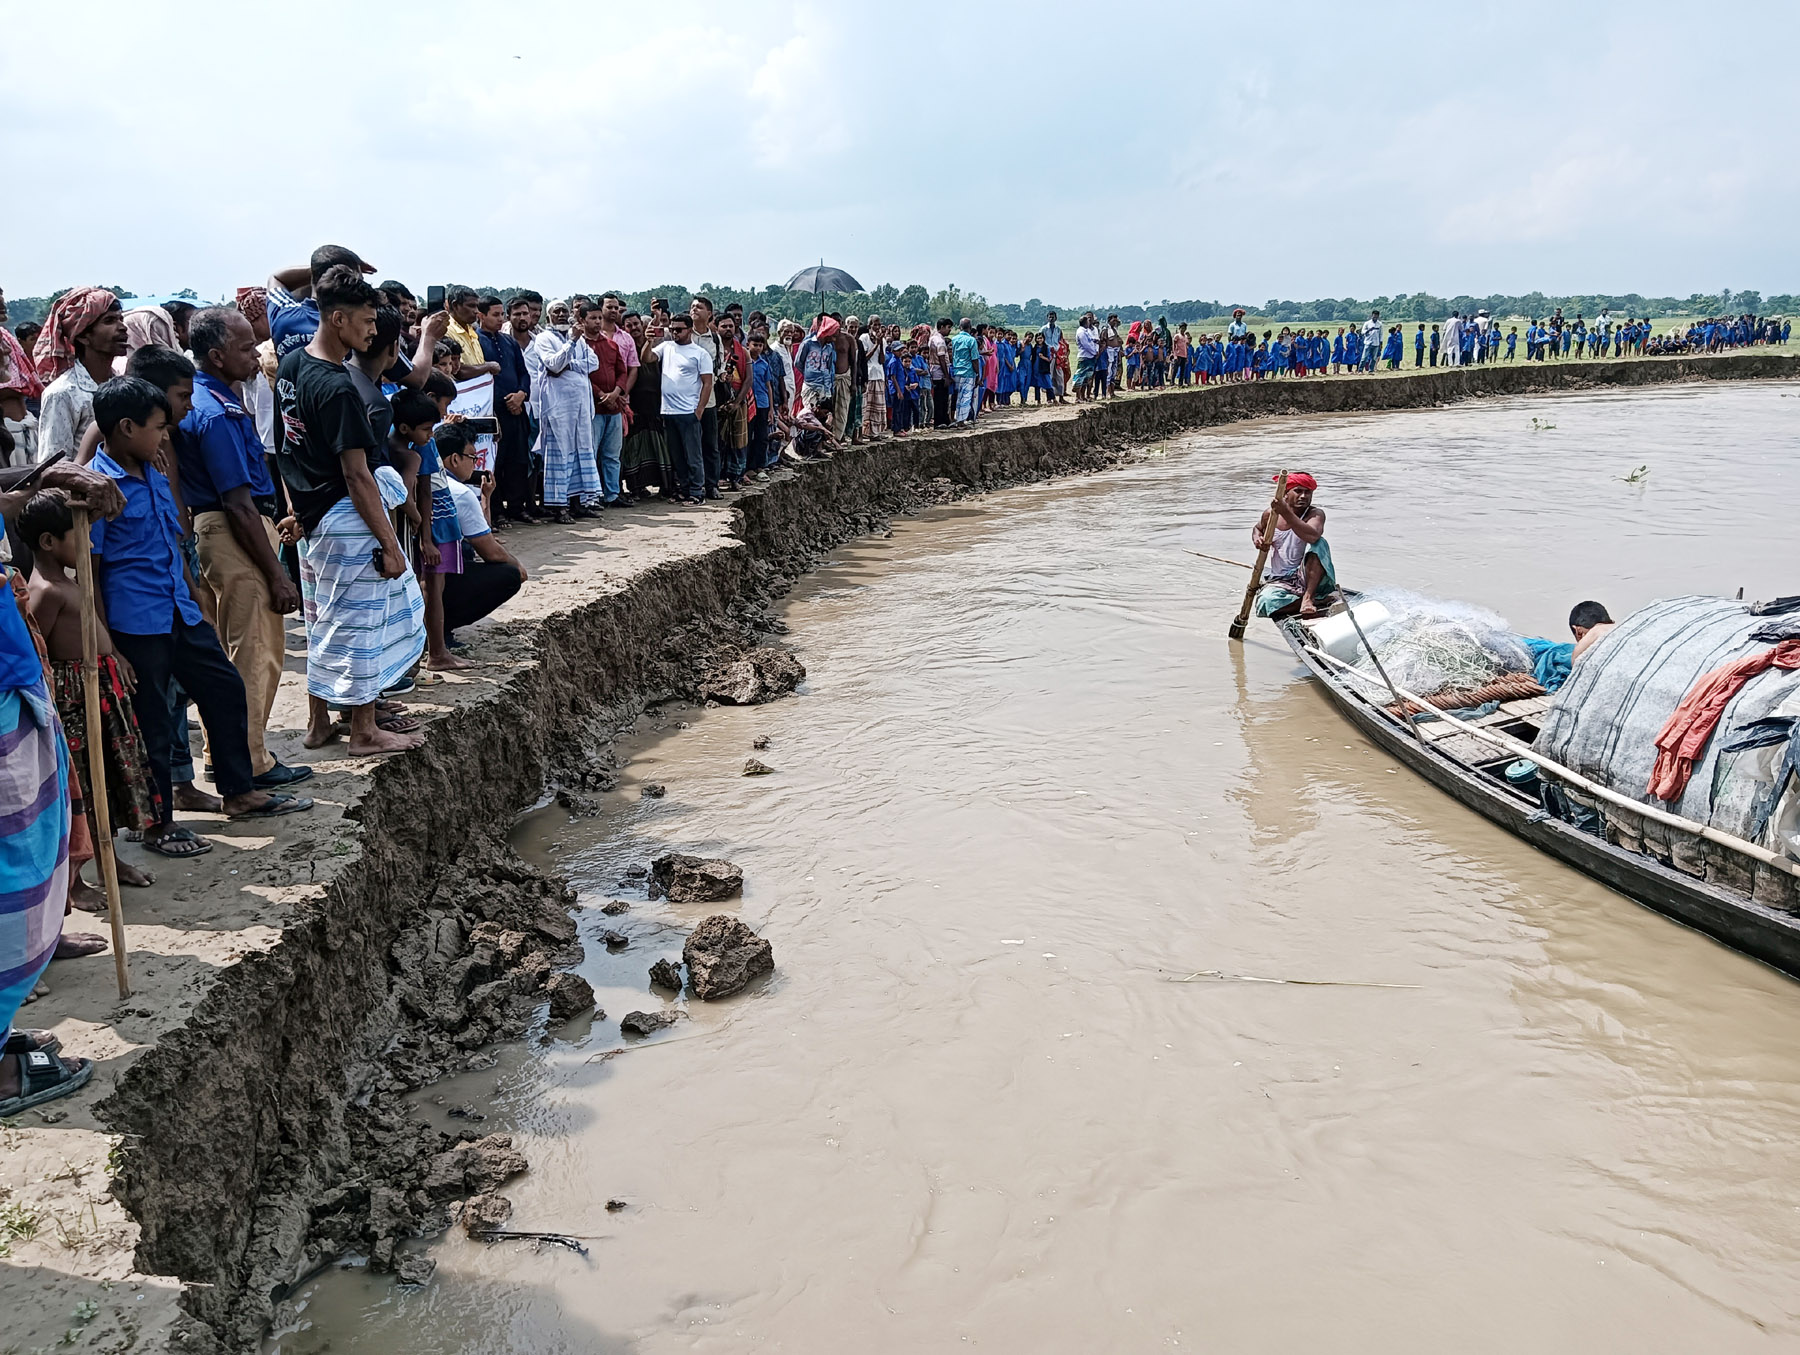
823,279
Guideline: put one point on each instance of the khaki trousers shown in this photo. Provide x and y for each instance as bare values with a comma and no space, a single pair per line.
251,633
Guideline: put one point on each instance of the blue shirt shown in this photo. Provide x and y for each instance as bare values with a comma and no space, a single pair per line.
965,354
221,451
19,663
141,575
764,375
293,326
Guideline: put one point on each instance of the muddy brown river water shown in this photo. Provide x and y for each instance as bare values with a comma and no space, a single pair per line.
1026,785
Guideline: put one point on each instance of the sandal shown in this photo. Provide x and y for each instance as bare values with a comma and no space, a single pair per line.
24,1041
276,806
177,844
44,1077
396,724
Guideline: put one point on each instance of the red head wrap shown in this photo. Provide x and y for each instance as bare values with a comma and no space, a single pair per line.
1297,479
252,303
70,317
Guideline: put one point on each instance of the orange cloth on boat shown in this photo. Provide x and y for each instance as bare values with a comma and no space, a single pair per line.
1684,735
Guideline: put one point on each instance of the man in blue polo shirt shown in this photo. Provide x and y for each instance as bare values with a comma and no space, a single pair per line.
156,626
226,482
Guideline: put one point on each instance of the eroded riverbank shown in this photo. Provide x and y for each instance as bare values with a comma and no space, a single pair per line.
241,1105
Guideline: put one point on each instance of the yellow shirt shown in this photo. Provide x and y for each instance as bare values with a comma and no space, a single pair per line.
467,340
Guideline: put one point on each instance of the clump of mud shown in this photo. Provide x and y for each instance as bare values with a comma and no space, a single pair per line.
693,879
723,956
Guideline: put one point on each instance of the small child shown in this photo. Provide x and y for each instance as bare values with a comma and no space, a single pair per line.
47,526
1419,346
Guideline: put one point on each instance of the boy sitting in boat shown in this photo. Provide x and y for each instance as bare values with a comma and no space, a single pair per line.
1298,575
1588,622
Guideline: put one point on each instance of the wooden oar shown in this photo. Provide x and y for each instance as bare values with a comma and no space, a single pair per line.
1262,556
96,751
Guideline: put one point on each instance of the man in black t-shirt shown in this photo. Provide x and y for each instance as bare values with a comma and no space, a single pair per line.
357,621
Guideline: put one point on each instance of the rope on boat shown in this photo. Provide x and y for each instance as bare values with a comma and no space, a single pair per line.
1512,687
1575,778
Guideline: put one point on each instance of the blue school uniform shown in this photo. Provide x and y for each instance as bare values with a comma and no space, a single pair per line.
1512,345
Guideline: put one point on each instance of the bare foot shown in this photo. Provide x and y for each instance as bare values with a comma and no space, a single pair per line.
84,896
196,801
131,876
318,733
381,742
448,663
75,945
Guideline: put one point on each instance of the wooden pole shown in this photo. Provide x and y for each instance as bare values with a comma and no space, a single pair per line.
1243,616
96,749
1217,559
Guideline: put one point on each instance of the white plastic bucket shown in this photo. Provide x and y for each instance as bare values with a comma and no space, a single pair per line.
1336,635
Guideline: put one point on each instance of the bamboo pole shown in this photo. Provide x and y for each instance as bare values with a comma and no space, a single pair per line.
96,750
1262,555
1217,559
1575,778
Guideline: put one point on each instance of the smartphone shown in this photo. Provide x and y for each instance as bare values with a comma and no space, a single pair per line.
482,424
434,299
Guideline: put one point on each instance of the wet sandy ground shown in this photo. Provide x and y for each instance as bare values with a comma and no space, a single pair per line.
1028,786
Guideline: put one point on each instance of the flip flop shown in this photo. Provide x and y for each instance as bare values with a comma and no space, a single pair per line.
277,806
44,1077
177,844
396,724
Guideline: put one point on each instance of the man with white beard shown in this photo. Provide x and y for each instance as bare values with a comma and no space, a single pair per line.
1453,328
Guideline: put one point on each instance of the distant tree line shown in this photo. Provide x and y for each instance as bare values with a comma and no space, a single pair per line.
914,305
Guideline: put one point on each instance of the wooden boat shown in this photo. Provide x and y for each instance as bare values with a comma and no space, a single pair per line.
1473,771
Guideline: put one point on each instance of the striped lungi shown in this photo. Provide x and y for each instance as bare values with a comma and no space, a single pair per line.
363,632
34,841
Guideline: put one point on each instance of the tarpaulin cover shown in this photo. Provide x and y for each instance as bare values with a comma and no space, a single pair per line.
1605,720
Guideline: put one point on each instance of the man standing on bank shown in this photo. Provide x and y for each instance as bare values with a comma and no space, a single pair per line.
226,482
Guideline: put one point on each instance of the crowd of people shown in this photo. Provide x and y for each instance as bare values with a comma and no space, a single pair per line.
349,451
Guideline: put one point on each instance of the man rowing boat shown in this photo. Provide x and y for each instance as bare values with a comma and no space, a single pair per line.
1298,573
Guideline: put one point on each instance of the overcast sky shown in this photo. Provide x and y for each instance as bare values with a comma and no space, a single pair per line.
1075,152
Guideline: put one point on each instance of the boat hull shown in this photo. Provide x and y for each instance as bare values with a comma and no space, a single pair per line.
1738,921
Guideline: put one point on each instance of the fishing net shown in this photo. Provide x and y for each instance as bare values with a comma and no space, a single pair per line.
1428,645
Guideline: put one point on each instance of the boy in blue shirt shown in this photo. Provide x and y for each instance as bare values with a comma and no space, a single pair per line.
1419,346
1512,342
148,606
